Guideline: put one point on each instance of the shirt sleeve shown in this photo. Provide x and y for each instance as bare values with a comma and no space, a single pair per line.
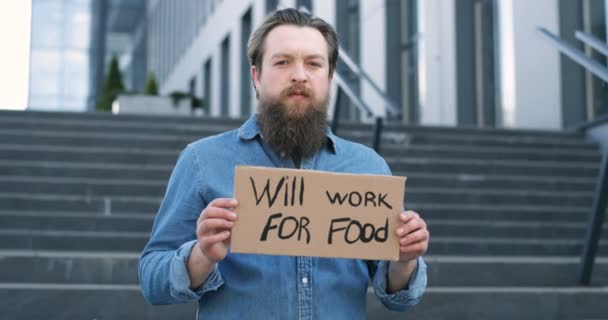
404,299
163,269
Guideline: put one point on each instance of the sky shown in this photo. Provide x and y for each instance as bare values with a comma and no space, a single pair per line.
14,56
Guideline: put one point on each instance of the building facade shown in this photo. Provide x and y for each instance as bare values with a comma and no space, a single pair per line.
59,55
475,63
479,63
72,42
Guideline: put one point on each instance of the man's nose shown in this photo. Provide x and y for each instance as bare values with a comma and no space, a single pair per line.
299,73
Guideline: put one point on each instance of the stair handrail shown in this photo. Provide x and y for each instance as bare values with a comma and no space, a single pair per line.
592,41
600,197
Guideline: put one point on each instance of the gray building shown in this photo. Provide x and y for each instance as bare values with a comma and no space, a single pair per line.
59,56
478,63
72,43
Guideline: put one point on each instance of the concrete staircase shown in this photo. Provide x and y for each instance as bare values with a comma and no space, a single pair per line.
507,211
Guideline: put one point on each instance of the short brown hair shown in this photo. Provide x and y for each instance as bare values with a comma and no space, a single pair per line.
290,16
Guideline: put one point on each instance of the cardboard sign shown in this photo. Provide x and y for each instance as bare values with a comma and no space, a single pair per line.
314,213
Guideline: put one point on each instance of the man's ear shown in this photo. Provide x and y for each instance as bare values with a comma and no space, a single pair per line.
255,76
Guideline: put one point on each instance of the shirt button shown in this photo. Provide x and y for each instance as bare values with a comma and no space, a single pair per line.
282,154
305,280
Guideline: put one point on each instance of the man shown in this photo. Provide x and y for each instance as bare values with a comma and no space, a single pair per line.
293,57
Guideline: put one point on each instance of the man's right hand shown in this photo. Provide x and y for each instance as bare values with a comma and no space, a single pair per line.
213,229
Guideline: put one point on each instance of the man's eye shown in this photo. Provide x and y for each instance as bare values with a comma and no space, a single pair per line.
315,64
280,63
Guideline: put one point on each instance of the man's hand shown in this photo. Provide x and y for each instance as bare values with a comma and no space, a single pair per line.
413,243
213,229
413,236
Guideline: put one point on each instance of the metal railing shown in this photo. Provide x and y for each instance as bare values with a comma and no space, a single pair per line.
600,197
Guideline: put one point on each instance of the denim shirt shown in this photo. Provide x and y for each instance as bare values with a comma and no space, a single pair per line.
250,286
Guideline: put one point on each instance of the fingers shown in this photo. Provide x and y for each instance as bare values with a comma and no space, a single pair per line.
220,209
210,225
415,249
209,240
411,223
414,237
223,203
216,213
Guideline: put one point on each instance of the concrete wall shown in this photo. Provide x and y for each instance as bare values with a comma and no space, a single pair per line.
437,62
529,65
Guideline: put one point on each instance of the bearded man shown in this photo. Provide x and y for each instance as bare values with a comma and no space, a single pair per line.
293,57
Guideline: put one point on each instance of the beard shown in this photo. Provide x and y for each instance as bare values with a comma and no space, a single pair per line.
296,128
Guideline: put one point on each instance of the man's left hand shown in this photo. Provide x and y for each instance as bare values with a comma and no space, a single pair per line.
413,236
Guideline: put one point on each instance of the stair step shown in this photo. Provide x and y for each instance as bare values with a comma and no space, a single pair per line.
57,301
73,267
83,301
68,267
509,229
63,240
502,303
509,246
75,203
530,271
77,222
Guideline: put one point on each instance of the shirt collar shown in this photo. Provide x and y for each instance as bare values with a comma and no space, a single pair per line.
250,130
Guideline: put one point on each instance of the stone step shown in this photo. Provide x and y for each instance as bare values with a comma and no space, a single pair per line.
502,303
63,240
510,229
175,141
64,169
488,167
82,186
77,222
400,138
137,204
151,121
113,241
156,188
91,154
57,301
514,212
509,246
483,271
439,228
24,301
69,267
399,135
497,181
72,267
76,203
145,155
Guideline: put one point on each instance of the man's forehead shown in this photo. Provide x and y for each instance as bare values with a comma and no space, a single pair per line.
290,39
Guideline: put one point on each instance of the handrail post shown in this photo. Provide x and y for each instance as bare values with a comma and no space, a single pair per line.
378,134
595,224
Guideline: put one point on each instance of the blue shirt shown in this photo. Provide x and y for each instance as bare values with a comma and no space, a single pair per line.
260,286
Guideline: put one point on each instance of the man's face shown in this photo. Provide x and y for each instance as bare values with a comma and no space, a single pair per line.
293,88
295,69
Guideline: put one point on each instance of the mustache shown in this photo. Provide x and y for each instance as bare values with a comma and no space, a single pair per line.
296,89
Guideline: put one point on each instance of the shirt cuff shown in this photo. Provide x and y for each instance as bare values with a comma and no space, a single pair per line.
403,299
179,278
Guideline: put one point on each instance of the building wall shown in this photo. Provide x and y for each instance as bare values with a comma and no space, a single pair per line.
437,62
59,57
530,66
528,71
